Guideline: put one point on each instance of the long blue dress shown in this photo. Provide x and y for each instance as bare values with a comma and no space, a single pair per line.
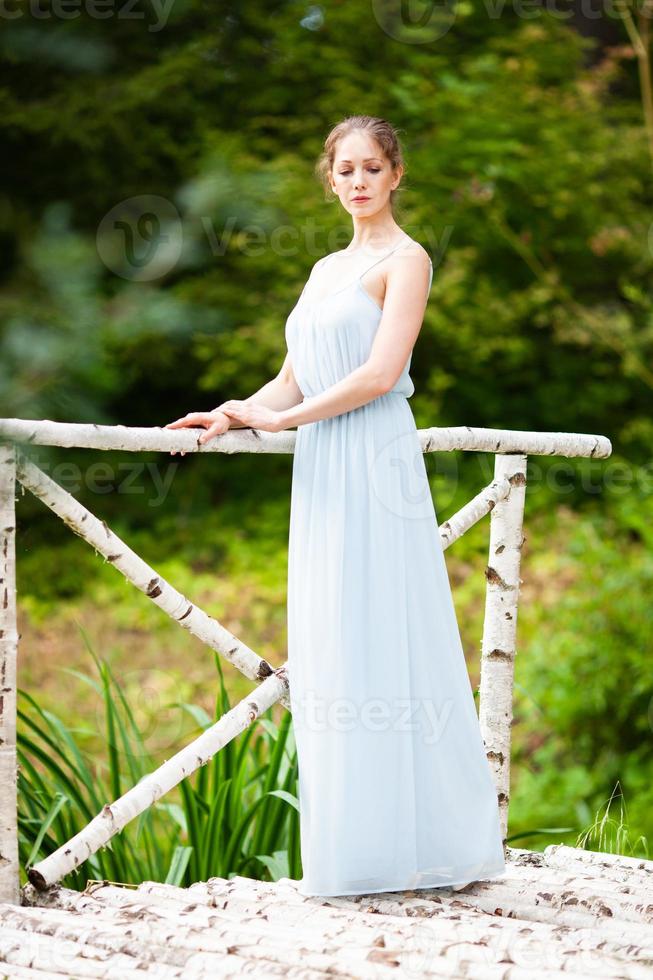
395,790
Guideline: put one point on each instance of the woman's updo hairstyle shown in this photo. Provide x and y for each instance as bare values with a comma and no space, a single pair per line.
380,129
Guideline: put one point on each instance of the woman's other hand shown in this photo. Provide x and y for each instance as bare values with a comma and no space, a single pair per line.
254,416
215,423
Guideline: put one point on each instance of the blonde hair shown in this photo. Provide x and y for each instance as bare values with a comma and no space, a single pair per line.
379,129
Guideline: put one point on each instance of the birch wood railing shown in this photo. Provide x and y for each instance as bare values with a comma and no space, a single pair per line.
503,499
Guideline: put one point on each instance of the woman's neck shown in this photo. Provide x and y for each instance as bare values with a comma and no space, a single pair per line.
375,242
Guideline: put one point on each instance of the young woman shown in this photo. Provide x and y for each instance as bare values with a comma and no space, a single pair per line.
395,790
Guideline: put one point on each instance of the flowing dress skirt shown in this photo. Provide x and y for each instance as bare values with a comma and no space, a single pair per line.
395,790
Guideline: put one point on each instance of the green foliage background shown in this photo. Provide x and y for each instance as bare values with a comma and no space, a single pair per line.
528,180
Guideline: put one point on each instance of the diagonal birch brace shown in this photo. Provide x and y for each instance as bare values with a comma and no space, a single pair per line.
471,512
113,816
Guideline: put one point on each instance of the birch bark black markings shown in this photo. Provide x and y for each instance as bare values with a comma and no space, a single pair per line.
500,623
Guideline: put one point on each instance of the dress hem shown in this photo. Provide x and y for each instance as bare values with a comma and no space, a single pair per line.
492,876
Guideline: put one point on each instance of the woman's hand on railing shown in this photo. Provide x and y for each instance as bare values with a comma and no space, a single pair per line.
215,423
253,415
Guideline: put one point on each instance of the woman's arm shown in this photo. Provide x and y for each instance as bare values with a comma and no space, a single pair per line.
403,314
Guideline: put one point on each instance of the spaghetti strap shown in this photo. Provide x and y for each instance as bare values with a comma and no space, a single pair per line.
394,249
387,254
321,263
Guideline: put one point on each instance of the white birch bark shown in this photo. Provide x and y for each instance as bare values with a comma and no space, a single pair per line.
500,624
477,439
9,877
525,926
471,512
531,894
83,435
28,973
619,867
45,432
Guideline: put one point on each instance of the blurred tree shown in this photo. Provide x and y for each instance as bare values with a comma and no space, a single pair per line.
527,180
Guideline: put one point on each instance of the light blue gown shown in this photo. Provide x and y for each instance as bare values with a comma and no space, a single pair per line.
395,791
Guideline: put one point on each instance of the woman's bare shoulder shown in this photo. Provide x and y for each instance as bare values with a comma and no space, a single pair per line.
322,261
413,259
414,248
410,247
319,263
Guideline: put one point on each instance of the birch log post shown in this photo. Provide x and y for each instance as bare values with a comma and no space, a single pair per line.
500,623
9,879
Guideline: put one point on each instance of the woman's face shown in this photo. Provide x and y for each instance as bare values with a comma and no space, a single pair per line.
360,170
